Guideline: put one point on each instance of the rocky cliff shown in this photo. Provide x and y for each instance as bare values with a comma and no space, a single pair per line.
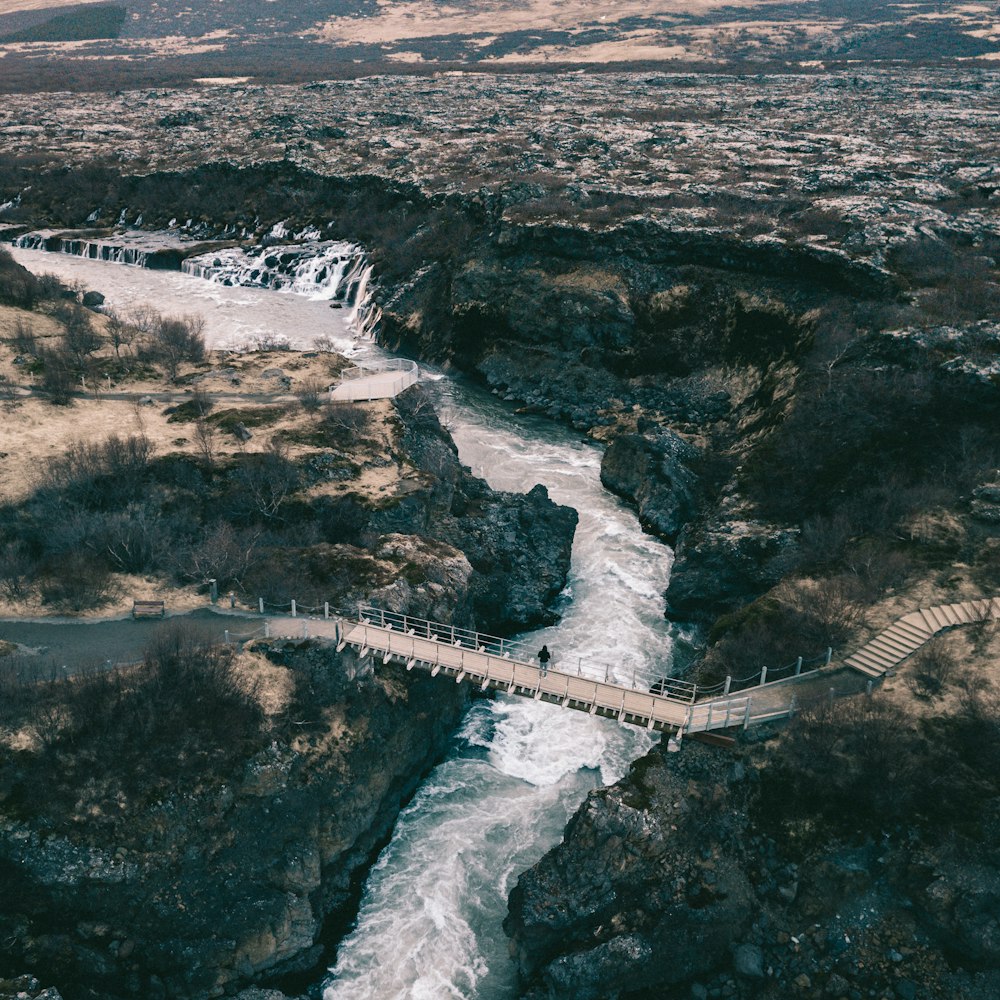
774,872
229,878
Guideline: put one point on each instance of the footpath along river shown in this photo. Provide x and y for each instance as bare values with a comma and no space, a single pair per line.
429,924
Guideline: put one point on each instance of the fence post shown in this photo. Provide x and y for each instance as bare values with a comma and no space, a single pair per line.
763,674
293,607
267,629
868,688
260,604
213,590
831,695
791,707
746,714
798,666
305,630
326,609
725,687
226,634
829,654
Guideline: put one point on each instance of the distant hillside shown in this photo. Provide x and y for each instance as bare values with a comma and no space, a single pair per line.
83,24
154,44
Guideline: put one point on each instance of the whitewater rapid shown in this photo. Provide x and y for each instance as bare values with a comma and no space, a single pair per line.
429,924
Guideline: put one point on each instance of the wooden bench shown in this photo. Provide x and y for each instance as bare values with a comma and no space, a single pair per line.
148,609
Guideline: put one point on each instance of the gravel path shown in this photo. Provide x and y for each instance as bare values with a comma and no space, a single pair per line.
77,646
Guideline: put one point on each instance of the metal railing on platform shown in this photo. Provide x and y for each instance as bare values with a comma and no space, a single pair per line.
346,392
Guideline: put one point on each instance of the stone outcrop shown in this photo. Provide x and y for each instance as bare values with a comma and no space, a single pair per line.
667,884
654,472
629,900
726,561
518,545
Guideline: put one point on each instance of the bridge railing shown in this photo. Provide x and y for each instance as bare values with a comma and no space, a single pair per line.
766,675
452,634
674,688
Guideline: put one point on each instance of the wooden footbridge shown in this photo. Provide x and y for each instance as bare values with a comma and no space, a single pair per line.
677,706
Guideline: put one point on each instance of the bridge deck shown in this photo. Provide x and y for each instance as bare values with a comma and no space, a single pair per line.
518,677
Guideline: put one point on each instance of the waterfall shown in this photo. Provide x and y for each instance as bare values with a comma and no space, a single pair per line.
338,272
92,249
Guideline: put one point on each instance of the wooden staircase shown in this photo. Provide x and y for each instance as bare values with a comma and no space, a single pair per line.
906,635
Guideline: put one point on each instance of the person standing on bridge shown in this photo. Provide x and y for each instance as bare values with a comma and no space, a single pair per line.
543,659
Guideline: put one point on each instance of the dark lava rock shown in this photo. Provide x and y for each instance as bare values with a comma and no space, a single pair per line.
203,889
625,898
653,471
519,545
726,563
92,299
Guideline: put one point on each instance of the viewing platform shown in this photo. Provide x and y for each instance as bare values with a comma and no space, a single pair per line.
375,380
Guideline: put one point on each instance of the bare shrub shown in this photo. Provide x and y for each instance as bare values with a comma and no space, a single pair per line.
174,340
134,733
843,767
120,332
205,440
132,539
931,669
345,422
16,570
220,552
58,378
24,339
8,394
310,394
80,339
264,482
77,582
103,475
796,619
264,343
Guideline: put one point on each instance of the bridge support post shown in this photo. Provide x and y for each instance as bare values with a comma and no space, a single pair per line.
792,706
726,686
305,630
798,666
763,675
868,688
293,607
260,604
326,609
708,718
746,714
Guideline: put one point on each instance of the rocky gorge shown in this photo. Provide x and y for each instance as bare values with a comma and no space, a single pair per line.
144,849
786,339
